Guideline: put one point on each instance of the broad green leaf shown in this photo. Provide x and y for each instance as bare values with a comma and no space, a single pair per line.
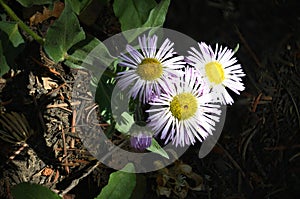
12,31
4,68
79,5
32,191
120,184
63,34
29,3
80,56
11,45
158,14
103,95
156,148
127,122
155,18
132,13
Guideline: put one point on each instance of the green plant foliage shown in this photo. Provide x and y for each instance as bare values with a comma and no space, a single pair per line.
140,14
158,14
103,95
29,3
32,191
77,55
63,34
132,13
79,5
4,68
120,184
12,31
10,45
156,148
125,125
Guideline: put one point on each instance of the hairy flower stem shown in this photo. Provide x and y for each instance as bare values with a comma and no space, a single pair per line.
21,24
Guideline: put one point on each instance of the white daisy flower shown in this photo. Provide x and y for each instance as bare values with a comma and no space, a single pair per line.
219,69
184,113
149,69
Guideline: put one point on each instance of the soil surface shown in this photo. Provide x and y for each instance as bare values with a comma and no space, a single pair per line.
257,155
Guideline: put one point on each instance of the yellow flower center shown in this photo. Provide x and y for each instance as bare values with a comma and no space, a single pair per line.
183,106
215,72
149,69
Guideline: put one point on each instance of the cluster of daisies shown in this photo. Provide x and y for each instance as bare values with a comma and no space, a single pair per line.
185,92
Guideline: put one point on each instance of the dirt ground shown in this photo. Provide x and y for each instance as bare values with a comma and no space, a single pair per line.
258,154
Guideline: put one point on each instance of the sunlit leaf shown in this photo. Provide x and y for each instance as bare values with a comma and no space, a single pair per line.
12,31
120,184
158,14
143,15
127,122
77,55
156,148
63,34
132,13
32,191
236,48
29,3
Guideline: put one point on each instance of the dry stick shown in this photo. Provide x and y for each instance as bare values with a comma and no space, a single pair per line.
63,105
75,182
90,112
235,164
57,89
65,150
248,47
72,144
24,145
255,103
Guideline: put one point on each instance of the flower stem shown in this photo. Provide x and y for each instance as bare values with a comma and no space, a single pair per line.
21,24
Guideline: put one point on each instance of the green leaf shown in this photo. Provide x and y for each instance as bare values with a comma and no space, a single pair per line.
63,34
29,3
11,45
236,48
156,148
79,5
158,14
4,68
103,96
132,13
32,191
12,31
77,57
120,184
125,125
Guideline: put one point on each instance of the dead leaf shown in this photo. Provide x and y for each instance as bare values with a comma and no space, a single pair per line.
47,171
49,83
41,17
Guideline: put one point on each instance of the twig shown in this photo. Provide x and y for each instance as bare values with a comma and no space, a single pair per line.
65,150
90,112
76,181
235,164
295,104
253,55
63,105
57,89
255,103
73,130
